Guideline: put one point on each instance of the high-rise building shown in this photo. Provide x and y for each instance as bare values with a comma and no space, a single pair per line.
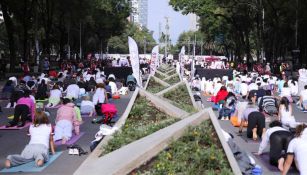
139,12
194,25
143,5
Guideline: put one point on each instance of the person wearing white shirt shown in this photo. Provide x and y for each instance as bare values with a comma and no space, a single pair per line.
72,91
55,96
99,95
252,86
297,151
87,107
38,148
286,92
293,87
243,89
279,139
303,98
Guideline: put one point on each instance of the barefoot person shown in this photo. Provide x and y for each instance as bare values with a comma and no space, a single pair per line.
38,148
279,139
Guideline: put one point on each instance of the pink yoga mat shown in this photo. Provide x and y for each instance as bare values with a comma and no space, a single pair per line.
15,127
72,140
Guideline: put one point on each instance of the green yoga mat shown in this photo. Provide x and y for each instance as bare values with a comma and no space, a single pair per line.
31,167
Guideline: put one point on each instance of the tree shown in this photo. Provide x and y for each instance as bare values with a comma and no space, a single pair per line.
142,36
245,32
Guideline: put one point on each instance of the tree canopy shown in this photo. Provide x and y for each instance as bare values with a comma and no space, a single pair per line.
55,27
244,27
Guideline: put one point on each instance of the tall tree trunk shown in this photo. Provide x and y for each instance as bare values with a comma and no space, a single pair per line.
25,31
248,51
9,26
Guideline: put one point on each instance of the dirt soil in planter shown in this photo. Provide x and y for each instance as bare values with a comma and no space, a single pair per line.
173,80
154,87
180,97
198,151
144,119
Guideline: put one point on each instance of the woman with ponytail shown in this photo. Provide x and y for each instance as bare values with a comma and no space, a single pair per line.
297,151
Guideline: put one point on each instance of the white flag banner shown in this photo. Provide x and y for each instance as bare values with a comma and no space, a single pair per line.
181,60
154,59
135,61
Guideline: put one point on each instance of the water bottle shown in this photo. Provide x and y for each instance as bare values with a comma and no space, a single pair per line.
257,170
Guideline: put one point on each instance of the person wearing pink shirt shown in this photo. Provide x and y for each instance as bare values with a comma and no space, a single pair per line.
66,119
25,108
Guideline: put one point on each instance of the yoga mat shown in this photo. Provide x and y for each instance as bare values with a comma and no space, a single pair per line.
86,116
249,140
265,160
31,166
15,127
72,140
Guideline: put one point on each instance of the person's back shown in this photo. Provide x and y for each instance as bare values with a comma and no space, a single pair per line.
66,112
40,134
73,91
298,146
55,93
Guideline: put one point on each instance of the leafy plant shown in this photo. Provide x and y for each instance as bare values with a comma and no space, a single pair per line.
198,151
180,97
173,80
160,76
144,119
154,86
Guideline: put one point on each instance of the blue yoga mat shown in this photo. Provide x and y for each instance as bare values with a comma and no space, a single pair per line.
31,166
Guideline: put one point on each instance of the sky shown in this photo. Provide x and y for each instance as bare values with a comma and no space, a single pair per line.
157,10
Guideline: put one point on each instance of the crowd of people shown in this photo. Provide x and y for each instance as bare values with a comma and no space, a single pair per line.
74,90
251,100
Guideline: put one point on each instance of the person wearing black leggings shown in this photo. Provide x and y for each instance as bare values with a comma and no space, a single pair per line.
256,125
279,139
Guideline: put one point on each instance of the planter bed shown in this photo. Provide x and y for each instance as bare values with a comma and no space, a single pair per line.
198,151
172,72
158,75
154,87
173,80
165,69
144,119
180,97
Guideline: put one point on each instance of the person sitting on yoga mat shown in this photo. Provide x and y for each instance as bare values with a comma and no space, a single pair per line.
279,139
25,109
221,95
38,148
297,151
66,118
42,89
285,113
255,119
286,92
55,96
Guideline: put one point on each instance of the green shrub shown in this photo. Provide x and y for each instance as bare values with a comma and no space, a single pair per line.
198,151
160,76
173,80
144,119
154,87
180,97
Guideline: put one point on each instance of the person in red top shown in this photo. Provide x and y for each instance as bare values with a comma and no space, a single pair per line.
221,95
53,73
